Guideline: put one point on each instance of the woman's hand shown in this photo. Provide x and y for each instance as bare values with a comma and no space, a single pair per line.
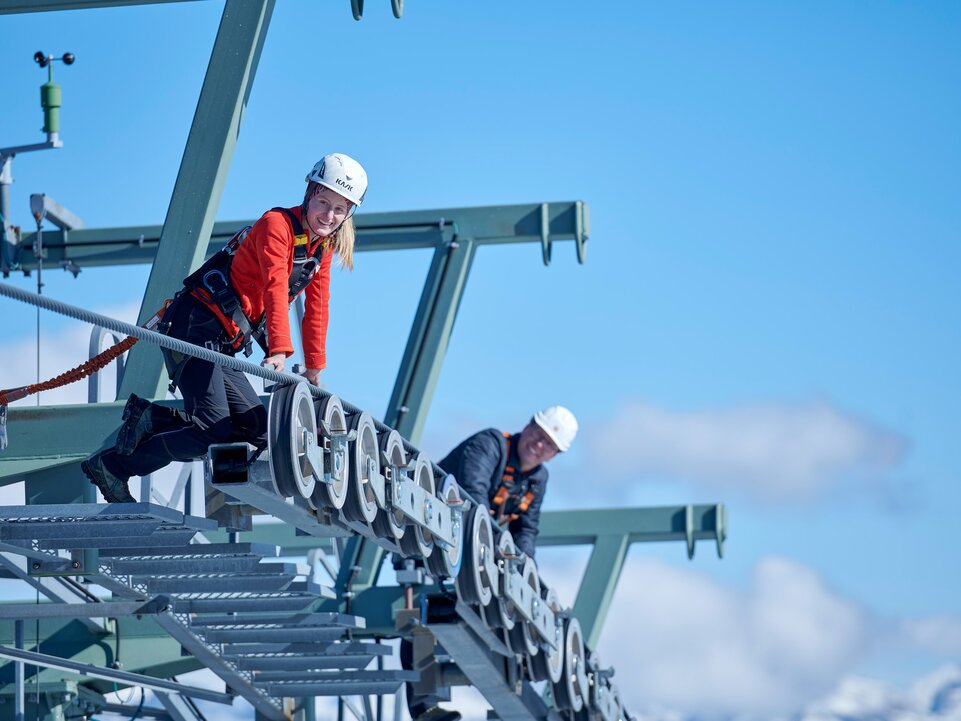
313,375
275,361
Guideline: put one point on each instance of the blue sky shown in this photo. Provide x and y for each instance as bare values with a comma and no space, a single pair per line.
768,315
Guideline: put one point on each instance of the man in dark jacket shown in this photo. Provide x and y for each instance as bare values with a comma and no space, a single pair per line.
505,473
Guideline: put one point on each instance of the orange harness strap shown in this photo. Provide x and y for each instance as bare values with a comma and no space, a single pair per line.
503,494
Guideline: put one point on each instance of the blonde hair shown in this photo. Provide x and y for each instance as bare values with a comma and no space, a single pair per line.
342,242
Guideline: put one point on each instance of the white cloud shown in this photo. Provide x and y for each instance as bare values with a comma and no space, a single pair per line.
772,452
940,634
679,640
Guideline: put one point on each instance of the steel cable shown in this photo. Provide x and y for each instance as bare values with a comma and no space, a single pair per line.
179,346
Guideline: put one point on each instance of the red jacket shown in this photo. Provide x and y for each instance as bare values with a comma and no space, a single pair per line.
260,273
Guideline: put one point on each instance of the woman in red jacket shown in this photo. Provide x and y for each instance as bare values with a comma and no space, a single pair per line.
226,305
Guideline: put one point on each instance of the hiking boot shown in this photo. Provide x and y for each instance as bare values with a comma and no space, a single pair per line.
436,713
114,489
137,424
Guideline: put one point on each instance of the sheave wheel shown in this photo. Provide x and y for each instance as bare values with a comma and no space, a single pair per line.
390,524
336,462
549,663
365,476
446,562
293,425
418,541
571,690
477,580
523,636
502,614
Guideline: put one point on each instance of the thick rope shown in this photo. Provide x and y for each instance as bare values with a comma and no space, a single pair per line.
87,368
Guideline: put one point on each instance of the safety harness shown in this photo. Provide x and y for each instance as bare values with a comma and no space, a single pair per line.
508,477
210,284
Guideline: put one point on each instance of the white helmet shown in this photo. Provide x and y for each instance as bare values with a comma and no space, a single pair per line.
559,423
342,174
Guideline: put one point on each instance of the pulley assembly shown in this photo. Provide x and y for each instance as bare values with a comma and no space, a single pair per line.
328,467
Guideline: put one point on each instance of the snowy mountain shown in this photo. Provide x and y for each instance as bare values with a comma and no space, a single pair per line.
935,697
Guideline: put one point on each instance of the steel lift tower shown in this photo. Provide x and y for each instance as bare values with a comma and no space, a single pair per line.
138,594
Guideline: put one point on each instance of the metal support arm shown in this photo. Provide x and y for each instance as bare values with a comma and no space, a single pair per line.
611,531
403,230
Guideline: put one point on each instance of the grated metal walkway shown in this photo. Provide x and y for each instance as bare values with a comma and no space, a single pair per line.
246,615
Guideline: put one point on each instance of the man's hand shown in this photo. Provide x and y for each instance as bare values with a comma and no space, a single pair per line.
313,375
276,362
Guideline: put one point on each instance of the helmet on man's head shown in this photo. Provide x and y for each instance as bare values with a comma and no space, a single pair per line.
342,174
558,423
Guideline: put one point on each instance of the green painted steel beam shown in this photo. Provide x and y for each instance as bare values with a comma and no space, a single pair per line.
665,523
10,7
486,225
429,337
203,172
45,437
377,604
397,410
598,584
611,531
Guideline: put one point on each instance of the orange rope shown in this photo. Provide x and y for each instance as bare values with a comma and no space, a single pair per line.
87,368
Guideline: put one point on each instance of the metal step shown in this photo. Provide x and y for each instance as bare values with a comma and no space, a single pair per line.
282,650
271,635
264,602
217,584
261,677
198,566
195,550
53,530
162,537
296,621
347,683
299,662
58,526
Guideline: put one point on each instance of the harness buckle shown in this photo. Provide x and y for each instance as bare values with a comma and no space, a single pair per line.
217,274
